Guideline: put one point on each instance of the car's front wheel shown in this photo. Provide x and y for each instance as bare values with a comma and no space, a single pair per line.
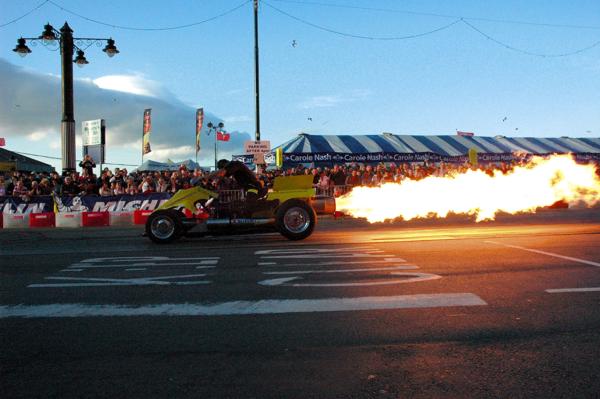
296,219
164,226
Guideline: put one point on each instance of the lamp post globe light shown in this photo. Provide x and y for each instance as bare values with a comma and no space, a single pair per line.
68,45
215,128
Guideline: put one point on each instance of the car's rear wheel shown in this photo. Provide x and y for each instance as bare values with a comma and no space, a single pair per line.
164,226
296,219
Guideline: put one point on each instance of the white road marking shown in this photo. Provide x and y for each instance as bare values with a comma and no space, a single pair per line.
145,264
71,270
134,269
338,262
312,256
367,269
413,277
560,290
96,281
266,263
537,251
301,251
267,306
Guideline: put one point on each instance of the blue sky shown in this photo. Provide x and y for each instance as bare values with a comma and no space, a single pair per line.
312,80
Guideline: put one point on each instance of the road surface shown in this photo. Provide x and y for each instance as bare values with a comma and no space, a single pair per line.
434,308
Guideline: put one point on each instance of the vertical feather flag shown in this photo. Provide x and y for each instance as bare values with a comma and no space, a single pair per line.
199,122
147,128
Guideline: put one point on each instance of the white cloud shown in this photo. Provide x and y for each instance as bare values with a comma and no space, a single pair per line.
128,84
30,104
37,136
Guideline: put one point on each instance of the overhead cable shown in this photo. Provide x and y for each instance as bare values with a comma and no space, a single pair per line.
360,36
58,158
150,28
429,14
24,15
519,50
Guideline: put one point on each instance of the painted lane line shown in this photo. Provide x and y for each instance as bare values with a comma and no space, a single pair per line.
146,264
266,263
310,250
561,290
412,278
367,269
142,258
134,269
267,306
85,282
71,270
386,261
537,251
317,255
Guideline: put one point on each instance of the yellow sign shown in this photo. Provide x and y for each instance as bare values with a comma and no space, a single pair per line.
473,156
7,166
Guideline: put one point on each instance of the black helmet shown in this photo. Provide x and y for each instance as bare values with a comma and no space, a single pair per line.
222,164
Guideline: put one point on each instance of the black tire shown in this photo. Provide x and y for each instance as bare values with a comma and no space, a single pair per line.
295,219
164,226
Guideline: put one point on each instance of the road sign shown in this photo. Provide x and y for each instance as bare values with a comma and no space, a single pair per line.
258,148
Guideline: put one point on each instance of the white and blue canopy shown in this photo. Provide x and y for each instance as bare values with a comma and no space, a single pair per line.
387,147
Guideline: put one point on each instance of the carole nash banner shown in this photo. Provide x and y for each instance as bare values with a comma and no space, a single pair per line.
327,157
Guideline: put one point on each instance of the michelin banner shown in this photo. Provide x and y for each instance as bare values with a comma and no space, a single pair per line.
25,205
118,203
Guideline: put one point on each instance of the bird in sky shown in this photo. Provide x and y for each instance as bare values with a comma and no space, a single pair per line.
294,43
504,119
309,118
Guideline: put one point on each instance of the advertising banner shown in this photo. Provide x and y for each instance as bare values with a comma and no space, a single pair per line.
199,123
147,128
24,205
93,137
117,203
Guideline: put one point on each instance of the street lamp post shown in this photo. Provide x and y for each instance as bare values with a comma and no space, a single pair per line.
67,47
215,128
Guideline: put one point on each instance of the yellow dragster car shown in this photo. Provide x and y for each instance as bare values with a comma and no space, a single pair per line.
288,208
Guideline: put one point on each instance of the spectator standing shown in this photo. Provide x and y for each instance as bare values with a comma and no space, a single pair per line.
88,164
69,188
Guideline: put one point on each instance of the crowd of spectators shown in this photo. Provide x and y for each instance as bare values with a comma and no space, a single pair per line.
331,180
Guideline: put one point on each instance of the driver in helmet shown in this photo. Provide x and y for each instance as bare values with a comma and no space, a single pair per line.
240,172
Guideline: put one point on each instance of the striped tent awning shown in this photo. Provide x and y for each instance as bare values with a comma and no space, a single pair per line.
391,147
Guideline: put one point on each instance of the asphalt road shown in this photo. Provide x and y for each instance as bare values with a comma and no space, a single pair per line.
433,308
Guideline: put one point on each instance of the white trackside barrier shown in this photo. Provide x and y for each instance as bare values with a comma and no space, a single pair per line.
121,218
68,219
15,220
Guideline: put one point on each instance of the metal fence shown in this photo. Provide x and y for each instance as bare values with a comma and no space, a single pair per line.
333,191
226,196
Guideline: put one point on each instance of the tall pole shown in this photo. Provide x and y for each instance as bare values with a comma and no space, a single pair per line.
256,84
67,127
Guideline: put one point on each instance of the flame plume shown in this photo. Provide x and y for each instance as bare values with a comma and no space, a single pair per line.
541,182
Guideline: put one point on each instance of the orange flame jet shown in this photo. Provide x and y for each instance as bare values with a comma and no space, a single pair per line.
542,182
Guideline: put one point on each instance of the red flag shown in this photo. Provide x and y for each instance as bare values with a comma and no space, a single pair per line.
222,136
2,142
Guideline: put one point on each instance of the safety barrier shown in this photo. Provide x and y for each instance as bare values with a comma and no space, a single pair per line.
68,219
95,219
44,219
140,217
121,218
16,221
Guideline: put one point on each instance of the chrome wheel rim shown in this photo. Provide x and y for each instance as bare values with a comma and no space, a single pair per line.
296,220
162,227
